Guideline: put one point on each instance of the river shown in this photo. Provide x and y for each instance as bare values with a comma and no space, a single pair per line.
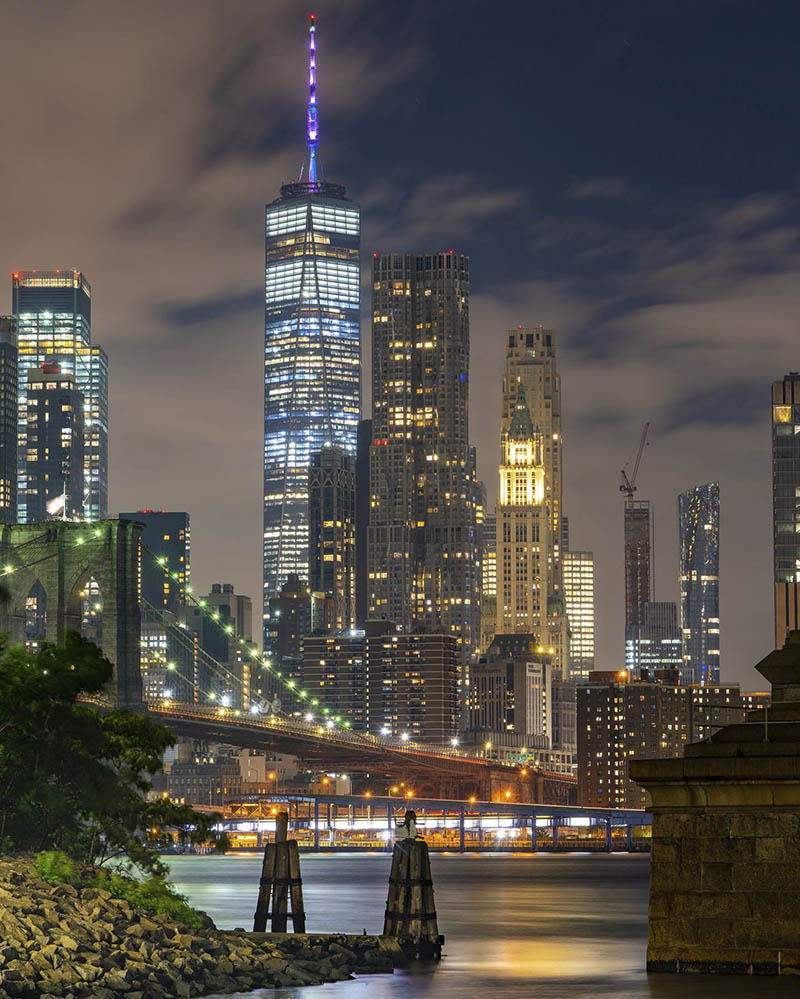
544,926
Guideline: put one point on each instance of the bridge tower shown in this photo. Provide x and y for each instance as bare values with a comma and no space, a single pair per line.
56,560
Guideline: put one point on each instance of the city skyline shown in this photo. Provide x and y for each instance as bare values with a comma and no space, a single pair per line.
175,450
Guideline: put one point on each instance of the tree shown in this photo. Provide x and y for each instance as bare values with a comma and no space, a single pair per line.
74,777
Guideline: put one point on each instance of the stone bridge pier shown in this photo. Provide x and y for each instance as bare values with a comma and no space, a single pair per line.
55,561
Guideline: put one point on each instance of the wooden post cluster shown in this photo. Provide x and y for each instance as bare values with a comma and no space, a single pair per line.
410,910
280,877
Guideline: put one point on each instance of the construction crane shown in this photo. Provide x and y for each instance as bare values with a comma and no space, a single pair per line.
628,485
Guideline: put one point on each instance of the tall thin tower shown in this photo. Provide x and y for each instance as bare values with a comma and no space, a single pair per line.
312,382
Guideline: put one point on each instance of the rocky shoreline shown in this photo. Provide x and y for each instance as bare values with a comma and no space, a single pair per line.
64,941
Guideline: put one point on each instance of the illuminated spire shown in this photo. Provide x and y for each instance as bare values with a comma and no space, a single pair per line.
313,128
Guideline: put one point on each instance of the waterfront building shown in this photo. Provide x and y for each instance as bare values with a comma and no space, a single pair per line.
655,643
578,576
312,383
638,591
166,549
424,563
362,519
9,390
52,311
54,445
619,719
698,524
530,594
332,535
785,511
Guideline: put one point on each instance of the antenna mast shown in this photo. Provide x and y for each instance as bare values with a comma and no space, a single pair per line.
312,126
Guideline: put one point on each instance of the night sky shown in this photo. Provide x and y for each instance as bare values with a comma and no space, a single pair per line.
624,173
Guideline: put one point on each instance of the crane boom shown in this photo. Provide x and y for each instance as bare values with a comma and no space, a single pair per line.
628,485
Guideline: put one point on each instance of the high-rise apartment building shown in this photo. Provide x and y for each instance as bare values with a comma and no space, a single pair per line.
52,310
638,584
698,524
528,599
424,564
489,577
362,519
166,536
312,384
531,366
54,446
619,720
332,534
786,504
578,576
9,390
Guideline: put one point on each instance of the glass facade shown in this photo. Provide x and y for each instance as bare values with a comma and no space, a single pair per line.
8,420
578,573
786,503
698,522
312,358
52,310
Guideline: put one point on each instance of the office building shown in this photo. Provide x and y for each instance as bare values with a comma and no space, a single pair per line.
362,519
52,310
531,377
312,388
332,535
424,563
638,584
9,390
528,599
334,672
291,615
785,509
489,577
619,719
54,445
655,644
222,665
578,577
698,523
511,691
166,551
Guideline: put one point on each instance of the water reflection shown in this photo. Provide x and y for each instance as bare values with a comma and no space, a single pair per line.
549,926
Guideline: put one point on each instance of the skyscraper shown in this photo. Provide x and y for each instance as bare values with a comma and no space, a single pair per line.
362,519
698,523
332,534
638,592
54,446
423,540
656,642
578,572
531,364
52,310
785,509
166,535
312,389
8,420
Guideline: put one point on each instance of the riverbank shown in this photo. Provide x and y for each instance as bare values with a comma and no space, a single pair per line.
63,940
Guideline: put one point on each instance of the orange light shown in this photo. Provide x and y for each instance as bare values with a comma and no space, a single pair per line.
524,772
325,780
508,794
368,794
274,811
395,790
271,775
472,800
409,794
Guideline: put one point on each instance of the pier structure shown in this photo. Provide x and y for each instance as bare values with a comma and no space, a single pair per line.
365,822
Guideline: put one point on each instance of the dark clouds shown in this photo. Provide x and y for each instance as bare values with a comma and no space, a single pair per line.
612,174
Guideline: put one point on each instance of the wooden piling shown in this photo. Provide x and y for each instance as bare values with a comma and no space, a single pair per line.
410,910
280,875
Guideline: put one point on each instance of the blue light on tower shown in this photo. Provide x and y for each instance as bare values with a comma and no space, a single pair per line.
312,378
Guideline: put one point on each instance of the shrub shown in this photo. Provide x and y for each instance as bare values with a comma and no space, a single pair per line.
55,866
155,895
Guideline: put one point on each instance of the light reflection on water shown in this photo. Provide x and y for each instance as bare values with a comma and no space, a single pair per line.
545,926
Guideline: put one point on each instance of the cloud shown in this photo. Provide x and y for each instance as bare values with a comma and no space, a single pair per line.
604,189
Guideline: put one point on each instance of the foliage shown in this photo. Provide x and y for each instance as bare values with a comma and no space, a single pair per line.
56,867
154,894
73,778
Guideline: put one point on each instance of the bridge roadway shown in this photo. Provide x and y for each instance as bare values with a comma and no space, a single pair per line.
436,771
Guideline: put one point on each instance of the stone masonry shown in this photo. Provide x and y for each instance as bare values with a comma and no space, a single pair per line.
725,864
62,557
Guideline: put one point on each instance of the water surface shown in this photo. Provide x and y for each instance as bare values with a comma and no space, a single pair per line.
543,926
